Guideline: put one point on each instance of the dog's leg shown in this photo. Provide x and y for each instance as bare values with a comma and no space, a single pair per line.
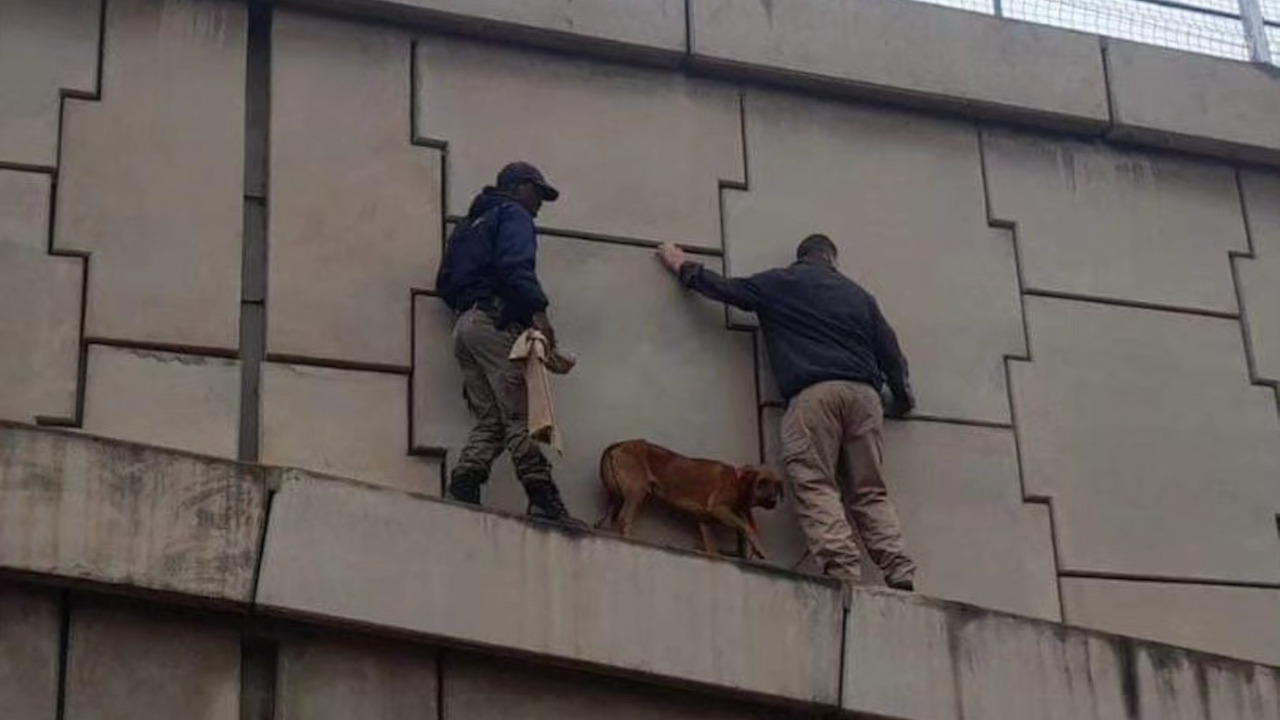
630,510
733,520
708,539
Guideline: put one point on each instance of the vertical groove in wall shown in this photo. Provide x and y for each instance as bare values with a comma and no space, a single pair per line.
64,650
258,667
253,321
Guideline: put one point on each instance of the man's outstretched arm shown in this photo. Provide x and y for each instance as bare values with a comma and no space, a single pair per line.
740,293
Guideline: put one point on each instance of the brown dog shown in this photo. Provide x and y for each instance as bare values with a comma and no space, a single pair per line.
706,489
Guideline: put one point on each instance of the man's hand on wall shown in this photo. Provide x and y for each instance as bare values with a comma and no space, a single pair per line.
671,256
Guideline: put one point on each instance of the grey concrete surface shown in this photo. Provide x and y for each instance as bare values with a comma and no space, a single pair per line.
121,514
636,153
1260,277
1142,427
911,52
1119,224
885,632
326,678
354,206
1175,685
334,549
151,181
30,630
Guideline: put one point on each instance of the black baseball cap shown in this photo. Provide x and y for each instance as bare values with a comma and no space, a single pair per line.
521,172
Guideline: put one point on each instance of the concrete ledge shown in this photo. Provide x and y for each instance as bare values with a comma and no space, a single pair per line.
116,513
372,557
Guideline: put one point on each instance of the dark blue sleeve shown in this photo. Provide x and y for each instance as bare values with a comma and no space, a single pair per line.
889,354
742,293
515,251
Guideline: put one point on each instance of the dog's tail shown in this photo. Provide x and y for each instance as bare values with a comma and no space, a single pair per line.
609,478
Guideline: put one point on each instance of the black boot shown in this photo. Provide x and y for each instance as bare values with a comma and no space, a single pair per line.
464,486
545,504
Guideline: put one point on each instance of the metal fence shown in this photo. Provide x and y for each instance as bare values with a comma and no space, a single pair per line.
1224,28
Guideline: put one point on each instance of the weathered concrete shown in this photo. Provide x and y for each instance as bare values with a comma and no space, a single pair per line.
151,179
440,417
185,402
1260,277
46,47
131,664
1103,222
909,52
1194,102
483,579
683,137
344,422
40,294
122,514
1177,685
355,207
902,197
1159,456
1235,621
334,679
29,645
886,633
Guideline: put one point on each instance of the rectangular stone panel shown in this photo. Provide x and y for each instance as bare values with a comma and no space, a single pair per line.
919,53
185,402
151,183
1143,430
123,514
46,47
30,638
1260,277
1194,102
441,419
1239,622
343,422
377,557
40,296
1105,222
355,206
636,153
326,678
901,195
134,664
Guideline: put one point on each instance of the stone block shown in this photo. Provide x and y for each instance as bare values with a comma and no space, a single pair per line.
1194,102
478,688
40,327
343,422
1103,222
1172,684
1259,277
908,52
30,638
1139,425
441,419
901,195
46,47
151,182
130,664
334,548
355,206
336,679
683,137
1241,622
185,402
122,514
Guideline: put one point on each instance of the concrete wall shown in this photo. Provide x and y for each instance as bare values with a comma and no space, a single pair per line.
220,234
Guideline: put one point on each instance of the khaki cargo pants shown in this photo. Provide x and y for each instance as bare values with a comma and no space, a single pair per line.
831,444
494,387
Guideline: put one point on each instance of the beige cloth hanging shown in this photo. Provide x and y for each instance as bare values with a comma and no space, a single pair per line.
532,349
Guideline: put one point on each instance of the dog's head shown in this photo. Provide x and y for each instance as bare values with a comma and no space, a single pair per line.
763,486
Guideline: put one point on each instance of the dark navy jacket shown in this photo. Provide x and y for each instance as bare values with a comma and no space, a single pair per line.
818,325
492,256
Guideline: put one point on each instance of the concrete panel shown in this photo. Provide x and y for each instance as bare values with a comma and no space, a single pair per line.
901,195
46,47
1177,685
486,689
529,588
40,361
344,422
1234,621
185,402
1260,277
655,362
328,679
1194,102
117,513
658,180
30,630
355,207
909,52
1097,221
131,664
440,416
1159,456
151,181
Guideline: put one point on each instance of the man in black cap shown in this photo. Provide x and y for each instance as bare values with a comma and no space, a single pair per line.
487,277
